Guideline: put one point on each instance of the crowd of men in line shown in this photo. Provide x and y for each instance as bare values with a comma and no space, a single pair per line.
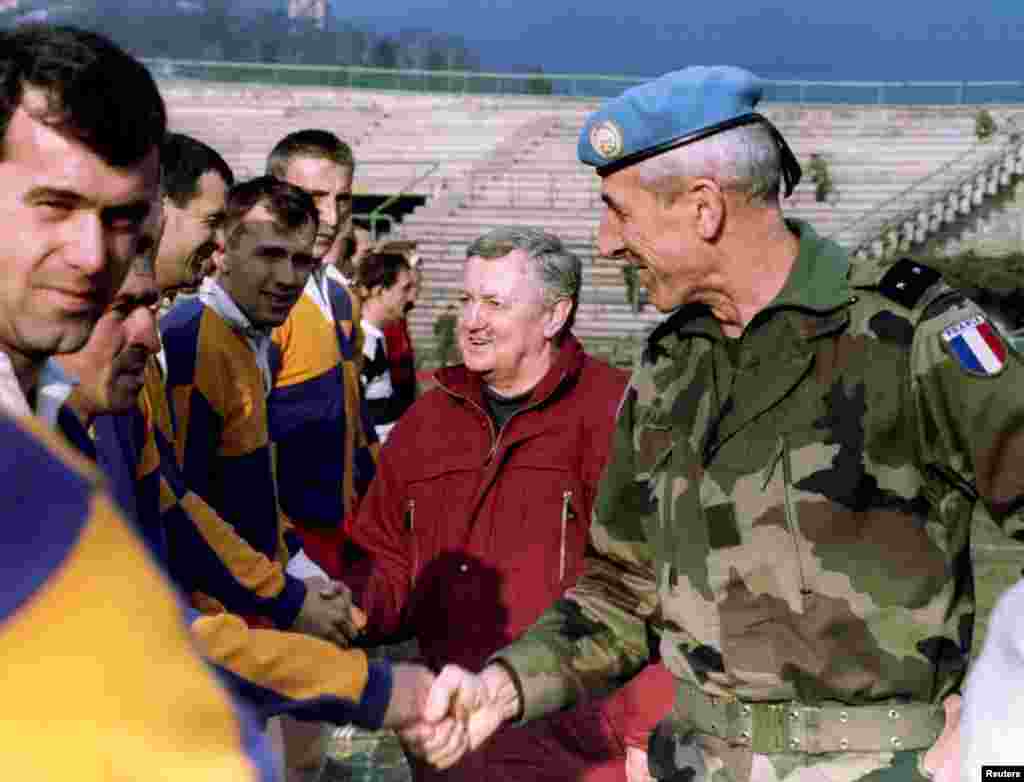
752,559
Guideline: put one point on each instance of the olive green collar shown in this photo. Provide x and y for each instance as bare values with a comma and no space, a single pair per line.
817,286
817,281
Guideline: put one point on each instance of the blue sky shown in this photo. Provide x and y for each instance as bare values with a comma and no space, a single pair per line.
814,39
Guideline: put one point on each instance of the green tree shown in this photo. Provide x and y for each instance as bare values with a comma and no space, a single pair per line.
444,336
538,83
632,282
821,177
384,54
984,125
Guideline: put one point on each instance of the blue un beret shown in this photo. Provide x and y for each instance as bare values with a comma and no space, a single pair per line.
678,108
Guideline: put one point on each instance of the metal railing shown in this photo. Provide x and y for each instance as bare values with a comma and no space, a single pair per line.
880,212
379,214
576,85
879,220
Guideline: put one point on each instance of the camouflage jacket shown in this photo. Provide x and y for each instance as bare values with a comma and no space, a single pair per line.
790,513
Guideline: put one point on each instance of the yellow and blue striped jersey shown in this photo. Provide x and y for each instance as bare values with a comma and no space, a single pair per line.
205,555
222,441
99,676
273,672
326,446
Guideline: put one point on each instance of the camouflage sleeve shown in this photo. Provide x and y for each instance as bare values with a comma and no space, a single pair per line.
596,636
966,384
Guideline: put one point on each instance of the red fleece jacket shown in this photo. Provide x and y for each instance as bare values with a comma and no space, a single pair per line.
471,533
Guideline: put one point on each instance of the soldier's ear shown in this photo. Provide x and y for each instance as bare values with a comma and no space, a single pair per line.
709,207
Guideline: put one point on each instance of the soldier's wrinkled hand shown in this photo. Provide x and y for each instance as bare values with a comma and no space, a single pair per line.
327,612
441,743
637,769
942,762
476,705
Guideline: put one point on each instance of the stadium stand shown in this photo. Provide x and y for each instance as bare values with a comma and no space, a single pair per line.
901,175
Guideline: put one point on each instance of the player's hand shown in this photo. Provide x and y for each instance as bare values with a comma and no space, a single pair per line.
637,769
942,761
328,612
462,712
410,688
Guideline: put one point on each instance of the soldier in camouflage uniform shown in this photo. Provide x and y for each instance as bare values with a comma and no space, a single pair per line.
808,455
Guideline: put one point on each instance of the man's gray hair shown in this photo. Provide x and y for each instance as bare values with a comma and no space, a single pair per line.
744,159
556,268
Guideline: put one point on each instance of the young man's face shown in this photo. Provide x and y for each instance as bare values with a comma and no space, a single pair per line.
264,266
72,223
392,302
189,234
330,185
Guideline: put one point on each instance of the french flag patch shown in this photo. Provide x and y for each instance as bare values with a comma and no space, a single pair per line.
976,346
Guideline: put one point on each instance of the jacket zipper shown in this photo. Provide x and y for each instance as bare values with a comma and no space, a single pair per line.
566,508
496,435
792,522
411,525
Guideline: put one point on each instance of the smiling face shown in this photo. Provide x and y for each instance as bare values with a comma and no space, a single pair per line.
651,233
389,304
111,366
264,266
73,223
189,234
505,325
330,185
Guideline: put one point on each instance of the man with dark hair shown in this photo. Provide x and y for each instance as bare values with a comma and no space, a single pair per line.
129,436
222,566
79,174
75,82
385,285
326,445
219,371
72,149
397,340
194,181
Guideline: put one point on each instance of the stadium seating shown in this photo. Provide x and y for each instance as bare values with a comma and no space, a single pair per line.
900,175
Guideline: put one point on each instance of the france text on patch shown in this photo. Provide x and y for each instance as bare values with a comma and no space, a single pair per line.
976,346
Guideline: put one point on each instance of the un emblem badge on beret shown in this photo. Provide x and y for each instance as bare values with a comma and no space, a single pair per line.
606,139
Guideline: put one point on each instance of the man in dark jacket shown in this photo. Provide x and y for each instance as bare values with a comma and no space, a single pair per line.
478,518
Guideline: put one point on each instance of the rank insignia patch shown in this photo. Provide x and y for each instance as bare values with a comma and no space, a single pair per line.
976,345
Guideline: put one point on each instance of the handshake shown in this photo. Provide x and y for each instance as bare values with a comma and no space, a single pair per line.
441,718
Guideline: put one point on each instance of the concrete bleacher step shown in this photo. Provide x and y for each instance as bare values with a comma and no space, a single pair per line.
512,160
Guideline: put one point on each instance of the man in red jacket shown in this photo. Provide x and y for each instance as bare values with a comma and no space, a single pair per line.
478,517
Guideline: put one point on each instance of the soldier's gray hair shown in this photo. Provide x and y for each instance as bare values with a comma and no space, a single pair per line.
744,159
555,267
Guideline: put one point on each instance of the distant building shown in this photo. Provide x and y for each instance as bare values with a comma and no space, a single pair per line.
315,11
59,12
190,7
